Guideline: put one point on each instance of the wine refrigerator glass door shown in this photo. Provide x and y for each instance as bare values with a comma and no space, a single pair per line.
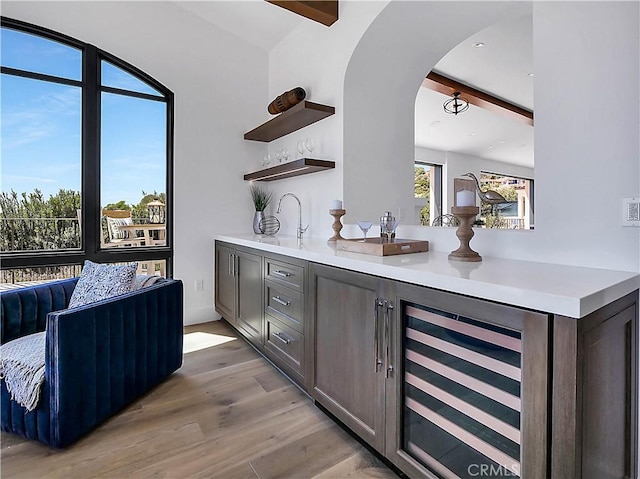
460,394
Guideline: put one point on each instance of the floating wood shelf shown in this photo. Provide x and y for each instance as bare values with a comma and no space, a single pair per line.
299,167
303,114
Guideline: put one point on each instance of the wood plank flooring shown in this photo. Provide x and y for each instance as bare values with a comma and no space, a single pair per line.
227,413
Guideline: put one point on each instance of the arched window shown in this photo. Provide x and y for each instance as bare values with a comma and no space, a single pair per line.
87,158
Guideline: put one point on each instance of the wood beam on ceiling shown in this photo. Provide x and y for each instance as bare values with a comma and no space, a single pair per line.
447,86
325,12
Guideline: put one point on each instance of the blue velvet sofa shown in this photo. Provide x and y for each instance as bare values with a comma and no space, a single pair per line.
99,357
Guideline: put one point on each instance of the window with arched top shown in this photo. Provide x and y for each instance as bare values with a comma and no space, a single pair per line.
87,158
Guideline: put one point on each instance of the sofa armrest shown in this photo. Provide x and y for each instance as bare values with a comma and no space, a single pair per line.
102,356
24,310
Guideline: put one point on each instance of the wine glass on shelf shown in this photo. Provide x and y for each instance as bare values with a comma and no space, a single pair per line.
300,148
285,155
309,144
365,226
279,156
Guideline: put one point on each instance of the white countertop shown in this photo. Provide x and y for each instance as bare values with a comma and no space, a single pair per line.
566,290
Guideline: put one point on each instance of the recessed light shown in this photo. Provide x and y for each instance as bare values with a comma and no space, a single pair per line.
434,123
490,147
478,44
530,75
473,133
502,142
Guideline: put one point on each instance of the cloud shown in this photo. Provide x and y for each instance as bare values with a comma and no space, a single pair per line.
30,179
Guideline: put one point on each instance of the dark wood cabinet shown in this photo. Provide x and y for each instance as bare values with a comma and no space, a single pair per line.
249,304
225,281
346,324
286,319
238,289
595,393
445,385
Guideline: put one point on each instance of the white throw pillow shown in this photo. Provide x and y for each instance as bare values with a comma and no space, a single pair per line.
101,281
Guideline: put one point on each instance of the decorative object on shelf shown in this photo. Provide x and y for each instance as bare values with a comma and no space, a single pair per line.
490,197
286,100
261,199
336,205
381,247
456,105
299,167
157,212
269,225
303,114
388,226
465,211
337,225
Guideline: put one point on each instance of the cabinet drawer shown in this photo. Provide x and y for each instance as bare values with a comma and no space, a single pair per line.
286,344
286,274
285,304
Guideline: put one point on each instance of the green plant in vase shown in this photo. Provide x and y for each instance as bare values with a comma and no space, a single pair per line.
261,199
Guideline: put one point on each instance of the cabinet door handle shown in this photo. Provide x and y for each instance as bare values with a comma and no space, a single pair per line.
236,264
282,338
277,299
284,274
376,307
387,335
230,265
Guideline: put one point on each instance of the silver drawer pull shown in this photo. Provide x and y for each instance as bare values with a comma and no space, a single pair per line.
284,274
282,338
277,299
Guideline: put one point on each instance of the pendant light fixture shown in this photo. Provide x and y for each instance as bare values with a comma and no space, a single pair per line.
456,104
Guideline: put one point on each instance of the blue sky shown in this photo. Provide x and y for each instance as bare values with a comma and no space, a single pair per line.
40,129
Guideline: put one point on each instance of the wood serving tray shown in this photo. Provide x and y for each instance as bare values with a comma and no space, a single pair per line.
377,247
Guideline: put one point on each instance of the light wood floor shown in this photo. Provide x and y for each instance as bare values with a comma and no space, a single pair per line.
227,413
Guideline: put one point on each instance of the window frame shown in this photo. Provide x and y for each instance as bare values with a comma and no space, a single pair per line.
90,160
436,187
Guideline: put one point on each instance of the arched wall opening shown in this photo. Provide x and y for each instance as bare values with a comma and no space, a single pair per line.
408,38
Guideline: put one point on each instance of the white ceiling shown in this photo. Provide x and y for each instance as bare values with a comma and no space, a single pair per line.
256,21
499,68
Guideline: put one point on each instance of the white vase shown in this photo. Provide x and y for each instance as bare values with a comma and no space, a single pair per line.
257,217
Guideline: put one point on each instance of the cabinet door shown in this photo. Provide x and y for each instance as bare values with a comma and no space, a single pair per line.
249,304
347,379
471,390
225,287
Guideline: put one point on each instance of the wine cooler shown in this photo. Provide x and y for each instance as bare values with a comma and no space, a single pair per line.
461,394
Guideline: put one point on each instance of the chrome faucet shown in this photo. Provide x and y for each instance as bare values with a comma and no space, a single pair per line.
300,229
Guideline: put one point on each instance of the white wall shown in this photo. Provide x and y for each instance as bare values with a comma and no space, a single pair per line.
218,81
315,57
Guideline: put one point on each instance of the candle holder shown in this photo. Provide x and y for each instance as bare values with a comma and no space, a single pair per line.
466,215
337,225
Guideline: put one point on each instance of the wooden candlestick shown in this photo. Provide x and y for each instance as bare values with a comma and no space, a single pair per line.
337,225
466,215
